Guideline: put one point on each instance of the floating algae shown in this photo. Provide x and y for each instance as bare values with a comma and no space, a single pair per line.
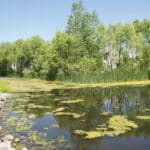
72,101
93,134
80,132
56,99
117,125
101,129
38,137
143,117
121,124
147,109
89,134
21,123
74,115
105,113
59,109
32,116
39,106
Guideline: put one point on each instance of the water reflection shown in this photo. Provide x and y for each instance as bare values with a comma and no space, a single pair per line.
98,105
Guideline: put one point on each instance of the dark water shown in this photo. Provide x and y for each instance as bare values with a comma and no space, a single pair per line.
32,115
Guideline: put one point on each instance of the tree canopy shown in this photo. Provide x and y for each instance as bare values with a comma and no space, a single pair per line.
86,47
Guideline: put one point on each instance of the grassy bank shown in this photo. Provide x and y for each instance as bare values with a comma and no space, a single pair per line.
33,85
4,86
114,76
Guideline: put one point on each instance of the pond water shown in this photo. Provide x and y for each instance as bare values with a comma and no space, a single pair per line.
115,118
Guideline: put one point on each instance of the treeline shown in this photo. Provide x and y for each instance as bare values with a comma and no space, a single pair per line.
86,51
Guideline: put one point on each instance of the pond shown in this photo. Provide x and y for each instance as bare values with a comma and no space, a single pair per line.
116,118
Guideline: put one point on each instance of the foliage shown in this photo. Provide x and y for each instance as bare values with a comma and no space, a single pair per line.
86,51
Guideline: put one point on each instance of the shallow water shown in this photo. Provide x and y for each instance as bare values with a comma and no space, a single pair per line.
48,120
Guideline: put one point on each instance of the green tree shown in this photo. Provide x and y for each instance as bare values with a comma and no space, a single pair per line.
5,58
85,23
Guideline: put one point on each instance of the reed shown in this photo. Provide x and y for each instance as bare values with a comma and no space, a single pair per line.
114,76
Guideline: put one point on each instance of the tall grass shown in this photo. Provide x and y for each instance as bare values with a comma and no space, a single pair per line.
114,76
4,86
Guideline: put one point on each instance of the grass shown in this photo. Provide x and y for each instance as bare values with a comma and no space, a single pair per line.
4,86
35,85
114,76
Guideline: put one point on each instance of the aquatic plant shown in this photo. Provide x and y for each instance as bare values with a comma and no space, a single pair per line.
121,123
143,117
147,109
59,109
21,123
74,115
39,106
72,101
117,125
105,113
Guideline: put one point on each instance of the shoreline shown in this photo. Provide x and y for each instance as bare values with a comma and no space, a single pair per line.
35,85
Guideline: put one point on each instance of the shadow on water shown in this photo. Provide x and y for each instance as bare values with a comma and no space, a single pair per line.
54,116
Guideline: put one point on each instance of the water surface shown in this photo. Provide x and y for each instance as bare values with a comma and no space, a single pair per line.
34,115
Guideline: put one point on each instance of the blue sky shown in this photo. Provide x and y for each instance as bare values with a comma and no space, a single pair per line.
26,18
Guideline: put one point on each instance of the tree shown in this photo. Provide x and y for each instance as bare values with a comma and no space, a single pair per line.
39,49
22,55
69,50
85,23
5,58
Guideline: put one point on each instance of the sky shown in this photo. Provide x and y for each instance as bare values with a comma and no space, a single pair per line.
27,18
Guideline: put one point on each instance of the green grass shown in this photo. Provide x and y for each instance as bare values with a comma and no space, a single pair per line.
114,76
35,85
4,86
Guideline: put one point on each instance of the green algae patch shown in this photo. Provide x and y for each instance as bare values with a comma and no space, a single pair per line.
101,129
93,134
74,115
39,106
143,117
32,116
56,99
80,132
147,109
59,109
38,137
117,125
72,101
105,113
89,134
20,123
121,124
